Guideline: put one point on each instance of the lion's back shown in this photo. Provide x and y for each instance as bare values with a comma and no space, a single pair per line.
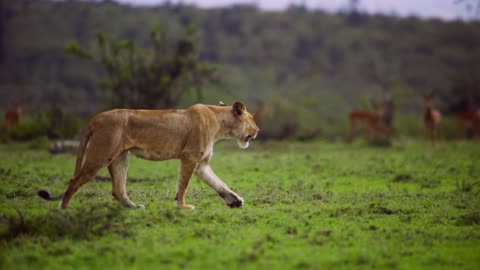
110,119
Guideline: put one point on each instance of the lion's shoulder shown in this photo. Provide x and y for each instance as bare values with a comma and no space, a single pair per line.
201,111
198,108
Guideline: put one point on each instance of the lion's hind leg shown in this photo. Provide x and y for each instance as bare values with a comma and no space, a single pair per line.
85,174
118,171
102,150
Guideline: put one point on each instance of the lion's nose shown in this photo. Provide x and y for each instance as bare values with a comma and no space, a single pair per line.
256,132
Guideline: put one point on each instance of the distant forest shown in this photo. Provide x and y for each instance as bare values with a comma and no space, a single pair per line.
310,67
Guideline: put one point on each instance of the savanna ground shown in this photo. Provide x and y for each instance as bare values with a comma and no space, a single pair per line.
310,205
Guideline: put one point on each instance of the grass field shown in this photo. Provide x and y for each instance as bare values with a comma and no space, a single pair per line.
311,205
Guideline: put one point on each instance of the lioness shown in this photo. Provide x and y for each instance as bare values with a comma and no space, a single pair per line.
188,135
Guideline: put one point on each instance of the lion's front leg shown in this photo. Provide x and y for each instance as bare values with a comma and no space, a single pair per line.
185,172
118,171
206,174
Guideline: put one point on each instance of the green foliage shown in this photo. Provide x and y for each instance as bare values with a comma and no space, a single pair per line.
150,79
68,126
53,123
81,224
307,205
30,127
40,143
409,125
465,186
326,64
75,49
471,218
380,141
450,128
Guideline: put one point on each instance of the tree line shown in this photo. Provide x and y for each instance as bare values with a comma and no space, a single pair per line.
302,63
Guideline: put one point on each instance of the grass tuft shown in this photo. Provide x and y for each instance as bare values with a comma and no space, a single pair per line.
402,178
79,223
471,218
465,186
380,142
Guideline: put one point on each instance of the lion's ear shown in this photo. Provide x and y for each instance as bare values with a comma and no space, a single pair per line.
220,103
238,108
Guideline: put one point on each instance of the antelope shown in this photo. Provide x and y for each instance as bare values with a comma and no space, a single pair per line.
432,118
469,120
372,120
13,115
260,111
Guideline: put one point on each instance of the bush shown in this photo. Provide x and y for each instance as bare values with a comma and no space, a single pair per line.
449,128
409,125
43,125
30,128
68,128
84,223
40,143
380,141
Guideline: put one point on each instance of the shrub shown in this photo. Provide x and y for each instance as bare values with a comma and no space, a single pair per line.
40,143
56,224
68,128
30,128
44,125
465,186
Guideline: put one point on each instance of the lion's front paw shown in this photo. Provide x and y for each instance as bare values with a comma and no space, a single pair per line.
187,206
236,204
233,200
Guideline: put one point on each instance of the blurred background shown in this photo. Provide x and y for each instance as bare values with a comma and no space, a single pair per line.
301,66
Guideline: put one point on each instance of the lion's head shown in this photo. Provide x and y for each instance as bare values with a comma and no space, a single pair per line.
243,127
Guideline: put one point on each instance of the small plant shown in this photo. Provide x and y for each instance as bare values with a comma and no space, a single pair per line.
465,186
41,125
16,226
403,177
30,128
380,142
150,78
471,218
81,223
40,143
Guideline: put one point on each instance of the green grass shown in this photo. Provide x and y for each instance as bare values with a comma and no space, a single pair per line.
307,206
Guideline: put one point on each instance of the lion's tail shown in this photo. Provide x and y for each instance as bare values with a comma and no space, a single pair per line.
46,195
85,137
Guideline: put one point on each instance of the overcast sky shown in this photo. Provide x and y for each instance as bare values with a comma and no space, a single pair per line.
445,9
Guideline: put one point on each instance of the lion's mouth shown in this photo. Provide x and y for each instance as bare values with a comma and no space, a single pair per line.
249,137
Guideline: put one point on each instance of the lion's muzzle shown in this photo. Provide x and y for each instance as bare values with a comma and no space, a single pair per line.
252,136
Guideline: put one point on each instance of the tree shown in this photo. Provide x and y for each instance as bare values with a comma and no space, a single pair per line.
354,15
471,6
156,78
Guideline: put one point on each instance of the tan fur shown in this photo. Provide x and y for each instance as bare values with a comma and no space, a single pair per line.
188,135
432,118
470,120
13,115
371,120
